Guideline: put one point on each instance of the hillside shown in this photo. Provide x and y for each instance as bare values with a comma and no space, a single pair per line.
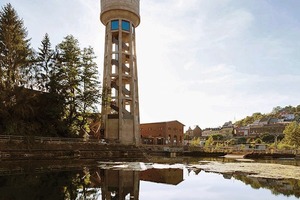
286,113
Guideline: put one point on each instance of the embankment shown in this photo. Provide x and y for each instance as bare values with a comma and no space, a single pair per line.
23,149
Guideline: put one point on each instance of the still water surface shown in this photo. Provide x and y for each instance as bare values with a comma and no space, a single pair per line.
168,180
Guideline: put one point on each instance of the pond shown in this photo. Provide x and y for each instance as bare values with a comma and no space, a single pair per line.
166,179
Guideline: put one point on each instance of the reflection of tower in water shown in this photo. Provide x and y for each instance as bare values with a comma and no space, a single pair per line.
120,105
116,185
125,184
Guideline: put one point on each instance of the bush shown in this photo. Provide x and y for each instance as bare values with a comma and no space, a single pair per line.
284,146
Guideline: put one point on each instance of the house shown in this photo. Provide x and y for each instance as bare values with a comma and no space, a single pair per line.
226,130
266,125
194,133
228,125
189,133
287,116
242,131
162,133
197,132
206,132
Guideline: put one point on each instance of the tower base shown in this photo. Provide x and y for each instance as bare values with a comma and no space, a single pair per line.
129,136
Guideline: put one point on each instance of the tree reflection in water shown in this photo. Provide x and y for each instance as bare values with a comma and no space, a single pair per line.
111,184
287,187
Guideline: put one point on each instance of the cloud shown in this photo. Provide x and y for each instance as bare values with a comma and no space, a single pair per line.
230,26
199,61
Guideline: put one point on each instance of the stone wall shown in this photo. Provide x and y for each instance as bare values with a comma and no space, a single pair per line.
63,150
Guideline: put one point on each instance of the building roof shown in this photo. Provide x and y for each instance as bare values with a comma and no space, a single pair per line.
166,122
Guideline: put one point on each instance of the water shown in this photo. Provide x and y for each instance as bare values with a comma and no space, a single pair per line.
168,180
209,186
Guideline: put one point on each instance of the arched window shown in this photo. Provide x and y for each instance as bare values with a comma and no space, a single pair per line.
168,141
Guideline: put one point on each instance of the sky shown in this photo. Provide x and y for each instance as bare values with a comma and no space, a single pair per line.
201,62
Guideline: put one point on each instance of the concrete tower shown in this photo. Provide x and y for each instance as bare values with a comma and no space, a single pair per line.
120,105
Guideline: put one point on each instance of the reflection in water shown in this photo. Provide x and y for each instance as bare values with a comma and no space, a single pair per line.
92,182
287,187
125,184
167,176
120,184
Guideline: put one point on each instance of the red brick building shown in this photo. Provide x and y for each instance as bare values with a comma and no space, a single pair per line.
162,133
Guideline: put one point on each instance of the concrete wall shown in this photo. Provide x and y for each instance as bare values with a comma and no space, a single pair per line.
126,9
130,5
112,131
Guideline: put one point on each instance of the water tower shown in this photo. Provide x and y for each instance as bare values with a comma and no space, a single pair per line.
120,103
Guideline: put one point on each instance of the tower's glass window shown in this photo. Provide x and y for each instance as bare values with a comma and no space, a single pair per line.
115,25
125,25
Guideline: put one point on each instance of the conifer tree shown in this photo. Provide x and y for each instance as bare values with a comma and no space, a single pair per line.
40,71
64,82
15,54
90,81
14,48
51,104
90,95
68,76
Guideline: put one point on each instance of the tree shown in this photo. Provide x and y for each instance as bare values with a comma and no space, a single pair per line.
68,77
39,74
209,141
50,104
292,134
46,92
14,49
268,138
218,137
290,109
257,116
195,141
90,80
276,110
298,108
241,140
258,141
249,119
90,84
15,57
